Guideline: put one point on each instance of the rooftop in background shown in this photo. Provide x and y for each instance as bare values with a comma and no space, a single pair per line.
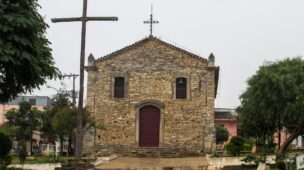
34,100
227,117
39,102
225,113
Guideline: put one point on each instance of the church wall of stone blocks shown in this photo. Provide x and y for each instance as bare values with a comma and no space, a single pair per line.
152,98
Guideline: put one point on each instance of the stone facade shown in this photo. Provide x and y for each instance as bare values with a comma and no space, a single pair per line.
150,68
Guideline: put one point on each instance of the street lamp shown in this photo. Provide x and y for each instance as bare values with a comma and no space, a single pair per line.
50,87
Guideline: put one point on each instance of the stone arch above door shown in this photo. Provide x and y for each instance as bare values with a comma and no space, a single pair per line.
152,102
147,103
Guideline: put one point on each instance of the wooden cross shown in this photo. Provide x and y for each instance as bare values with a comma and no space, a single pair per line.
84,19
151,22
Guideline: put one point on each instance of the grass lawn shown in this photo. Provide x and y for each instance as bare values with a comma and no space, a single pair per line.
41,159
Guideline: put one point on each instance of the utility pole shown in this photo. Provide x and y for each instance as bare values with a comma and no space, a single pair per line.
74,76
84,19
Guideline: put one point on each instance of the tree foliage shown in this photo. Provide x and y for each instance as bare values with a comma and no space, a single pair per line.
24,121
274,99
235,146
5,147
222,134
59,102
64,122
59,121
25,55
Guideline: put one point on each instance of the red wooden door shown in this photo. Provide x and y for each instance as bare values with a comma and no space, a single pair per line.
149,122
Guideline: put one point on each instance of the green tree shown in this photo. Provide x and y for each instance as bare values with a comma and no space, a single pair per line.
64,122
59,121
222,134
46,125
25,56
8,130
59,102
274,99
5,147
24,121
235,145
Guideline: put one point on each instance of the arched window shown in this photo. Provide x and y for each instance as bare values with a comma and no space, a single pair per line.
119,87
181,88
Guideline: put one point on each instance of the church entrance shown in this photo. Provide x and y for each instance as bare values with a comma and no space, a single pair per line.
149,123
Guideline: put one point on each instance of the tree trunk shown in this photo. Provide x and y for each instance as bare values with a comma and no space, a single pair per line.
279,138
61,145
290,138
31,144
279,131
70,145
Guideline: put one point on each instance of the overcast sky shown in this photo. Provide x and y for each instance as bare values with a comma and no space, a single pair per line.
242,34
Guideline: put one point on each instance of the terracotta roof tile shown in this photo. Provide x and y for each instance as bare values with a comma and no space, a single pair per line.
113,54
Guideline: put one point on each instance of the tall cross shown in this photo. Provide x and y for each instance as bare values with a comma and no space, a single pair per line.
84,19
151,22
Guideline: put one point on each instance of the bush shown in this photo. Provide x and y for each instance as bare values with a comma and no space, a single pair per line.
22,153
280,162
5,145
248,146
5,148
5,161
251,159
222,134
235,146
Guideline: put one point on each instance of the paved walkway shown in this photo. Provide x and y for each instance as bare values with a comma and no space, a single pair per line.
136,163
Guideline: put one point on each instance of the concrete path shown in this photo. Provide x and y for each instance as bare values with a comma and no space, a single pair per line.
153,163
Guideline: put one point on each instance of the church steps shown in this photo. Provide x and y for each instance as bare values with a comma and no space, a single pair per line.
164,152
153,152
203,167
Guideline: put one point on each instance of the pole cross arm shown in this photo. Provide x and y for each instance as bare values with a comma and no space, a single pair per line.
73,19
149,22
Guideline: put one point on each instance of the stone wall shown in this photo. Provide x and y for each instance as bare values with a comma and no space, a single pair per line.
42,166
151,69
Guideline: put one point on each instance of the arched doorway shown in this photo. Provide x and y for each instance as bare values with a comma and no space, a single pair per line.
149,125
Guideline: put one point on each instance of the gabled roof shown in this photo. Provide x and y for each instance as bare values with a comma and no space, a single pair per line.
150,38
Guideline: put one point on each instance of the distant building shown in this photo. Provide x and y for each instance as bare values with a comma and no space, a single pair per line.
297,143
227,118
39,102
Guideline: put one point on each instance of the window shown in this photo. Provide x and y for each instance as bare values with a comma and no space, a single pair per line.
32,102
119,87
181,88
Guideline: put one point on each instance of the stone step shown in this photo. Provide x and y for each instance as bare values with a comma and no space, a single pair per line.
166,152
153,152
203,167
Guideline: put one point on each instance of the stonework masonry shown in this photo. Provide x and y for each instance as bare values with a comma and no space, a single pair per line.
150,68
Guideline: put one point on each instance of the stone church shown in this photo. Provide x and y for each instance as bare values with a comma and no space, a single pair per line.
153,99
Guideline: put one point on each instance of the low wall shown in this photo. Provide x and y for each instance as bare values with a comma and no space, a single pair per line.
46,166
220,162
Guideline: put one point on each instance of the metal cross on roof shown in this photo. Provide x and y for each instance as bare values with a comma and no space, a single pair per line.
151,21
